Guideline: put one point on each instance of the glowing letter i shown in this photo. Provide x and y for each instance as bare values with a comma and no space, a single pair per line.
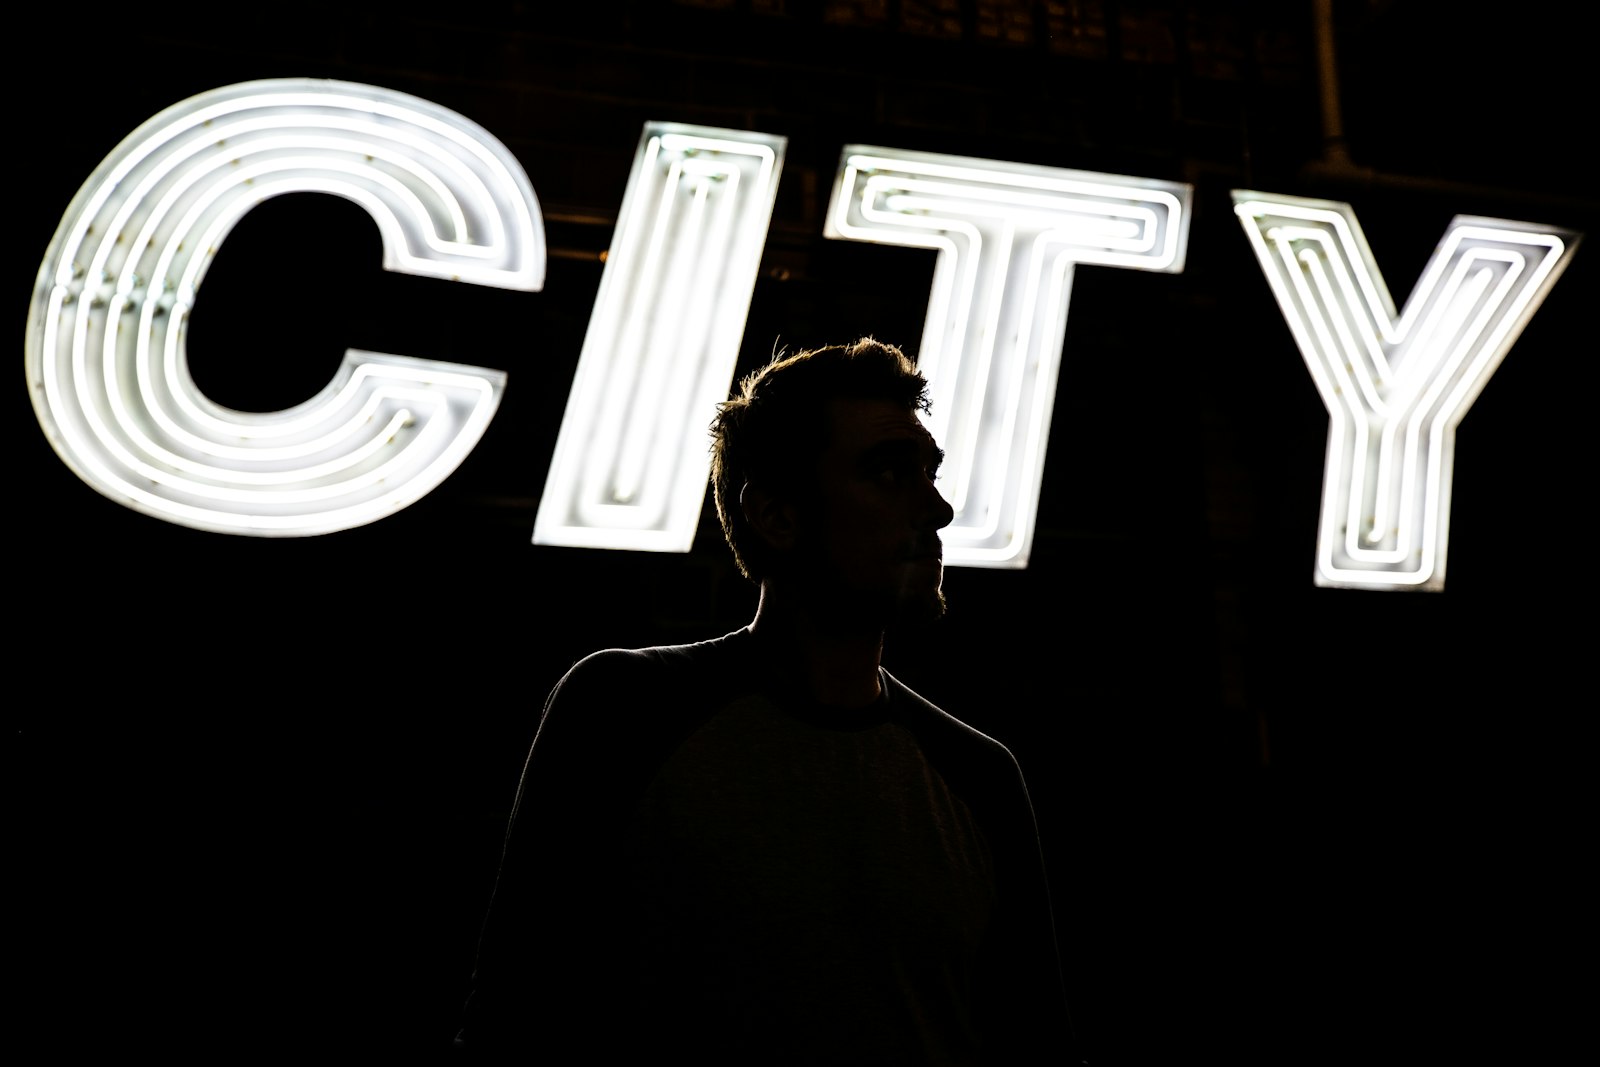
1395,387
632,456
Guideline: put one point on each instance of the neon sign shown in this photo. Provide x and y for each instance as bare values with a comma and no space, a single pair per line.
109,379
1008,237
106,360
630,464
1395,387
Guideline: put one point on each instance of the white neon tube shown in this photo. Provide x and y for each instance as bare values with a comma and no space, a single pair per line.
632,457
106,357
1008,236
1395,387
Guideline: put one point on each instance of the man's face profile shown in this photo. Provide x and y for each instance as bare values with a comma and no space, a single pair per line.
871,534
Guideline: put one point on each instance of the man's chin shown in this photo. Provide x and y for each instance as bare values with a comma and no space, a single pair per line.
920,609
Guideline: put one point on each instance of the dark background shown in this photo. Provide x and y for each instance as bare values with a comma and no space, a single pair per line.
258,784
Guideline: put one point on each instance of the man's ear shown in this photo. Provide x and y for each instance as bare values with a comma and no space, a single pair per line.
773,518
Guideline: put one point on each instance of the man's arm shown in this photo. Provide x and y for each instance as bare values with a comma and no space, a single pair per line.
1021,1004
541,979
1026,1006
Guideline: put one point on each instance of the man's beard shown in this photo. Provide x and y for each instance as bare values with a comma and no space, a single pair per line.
919,607
927,613
905,606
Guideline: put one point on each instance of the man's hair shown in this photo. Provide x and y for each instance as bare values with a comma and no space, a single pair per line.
773,429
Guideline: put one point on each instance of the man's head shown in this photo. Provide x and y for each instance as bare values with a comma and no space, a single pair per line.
823,475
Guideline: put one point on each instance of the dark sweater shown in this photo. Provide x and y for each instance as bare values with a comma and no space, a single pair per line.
702,866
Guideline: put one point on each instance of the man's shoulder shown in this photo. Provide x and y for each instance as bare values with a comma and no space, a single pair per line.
946,737
648,696
651,668
978,769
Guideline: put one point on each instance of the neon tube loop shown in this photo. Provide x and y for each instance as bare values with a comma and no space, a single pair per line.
1008,236
1395,386
631,460
105,345
109,377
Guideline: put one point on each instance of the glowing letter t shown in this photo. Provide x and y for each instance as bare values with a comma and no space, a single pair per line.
1008,236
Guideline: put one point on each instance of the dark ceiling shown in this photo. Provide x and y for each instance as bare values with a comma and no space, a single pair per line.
258,783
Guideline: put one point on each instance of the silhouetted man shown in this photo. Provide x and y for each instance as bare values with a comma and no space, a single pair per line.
763,848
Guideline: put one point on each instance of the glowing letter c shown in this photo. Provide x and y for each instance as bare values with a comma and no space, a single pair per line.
106,359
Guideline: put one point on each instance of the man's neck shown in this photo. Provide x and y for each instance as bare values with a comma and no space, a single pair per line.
835,660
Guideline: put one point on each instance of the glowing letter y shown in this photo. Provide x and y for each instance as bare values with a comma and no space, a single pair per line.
1395,388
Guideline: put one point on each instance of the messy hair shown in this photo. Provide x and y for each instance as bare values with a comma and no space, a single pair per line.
771,431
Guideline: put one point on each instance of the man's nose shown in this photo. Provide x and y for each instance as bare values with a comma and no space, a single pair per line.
938,513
